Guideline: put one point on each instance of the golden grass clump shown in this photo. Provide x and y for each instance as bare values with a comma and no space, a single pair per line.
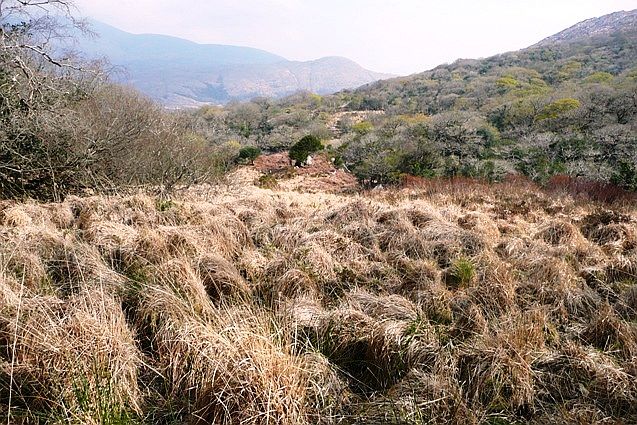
316,261
551,281
417,276
234,368
610,333
73,360
294,283
628,305
30,214
327,392
367,351
16,217
558,233
622,268
363,234
225,234
468,320
382,307
175,292
397,234
222,280
424,397
495,290
586,376
496,370
357,211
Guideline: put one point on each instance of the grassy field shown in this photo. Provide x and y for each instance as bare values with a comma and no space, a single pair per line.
452,302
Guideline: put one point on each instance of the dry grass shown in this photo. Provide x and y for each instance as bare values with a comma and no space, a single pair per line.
443,302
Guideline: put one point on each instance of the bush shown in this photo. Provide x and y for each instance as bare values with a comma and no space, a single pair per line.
625,176
249,153
134,142
267,181
558,108
304,147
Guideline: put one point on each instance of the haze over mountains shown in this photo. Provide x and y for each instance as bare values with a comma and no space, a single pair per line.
180,73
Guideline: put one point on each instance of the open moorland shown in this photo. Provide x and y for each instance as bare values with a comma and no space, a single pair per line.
457,246
443,302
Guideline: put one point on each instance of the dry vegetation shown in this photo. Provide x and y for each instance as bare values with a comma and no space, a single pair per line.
446,303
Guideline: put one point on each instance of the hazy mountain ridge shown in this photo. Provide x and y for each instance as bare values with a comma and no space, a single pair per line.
124,48
179,72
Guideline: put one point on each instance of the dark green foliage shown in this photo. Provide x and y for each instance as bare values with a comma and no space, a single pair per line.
625,176
537,165
304,148
248,154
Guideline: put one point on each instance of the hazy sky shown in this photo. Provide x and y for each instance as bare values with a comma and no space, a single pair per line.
397,36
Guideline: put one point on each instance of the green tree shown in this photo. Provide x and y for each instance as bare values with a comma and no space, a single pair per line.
248,154
625,176
304,148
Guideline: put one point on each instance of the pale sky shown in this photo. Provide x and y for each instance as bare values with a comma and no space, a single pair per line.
396,36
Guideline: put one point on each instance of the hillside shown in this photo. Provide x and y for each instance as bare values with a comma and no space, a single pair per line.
595,27
606,44
564,106
178,72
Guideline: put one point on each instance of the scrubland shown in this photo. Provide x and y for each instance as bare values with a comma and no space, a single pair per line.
455,302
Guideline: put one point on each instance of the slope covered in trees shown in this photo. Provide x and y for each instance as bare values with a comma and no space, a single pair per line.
565,106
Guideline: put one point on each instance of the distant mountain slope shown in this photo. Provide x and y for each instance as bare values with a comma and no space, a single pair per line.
122,47
607,44
179,72
602,26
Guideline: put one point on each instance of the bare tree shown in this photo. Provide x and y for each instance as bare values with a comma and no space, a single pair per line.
62,129
38,82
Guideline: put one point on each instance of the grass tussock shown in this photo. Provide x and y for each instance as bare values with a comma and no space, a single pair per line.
448,303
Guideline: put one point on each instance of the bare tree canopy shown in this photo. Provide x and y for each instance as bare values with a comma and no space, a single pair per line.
37,82
62,129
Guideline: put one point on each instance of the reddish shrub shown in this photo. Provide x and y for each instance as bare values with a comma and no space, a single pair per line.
577,187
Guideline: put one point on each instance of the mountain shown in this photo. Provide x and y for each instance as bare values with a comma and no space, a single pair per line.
607,44
603,26
121,47
178,72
